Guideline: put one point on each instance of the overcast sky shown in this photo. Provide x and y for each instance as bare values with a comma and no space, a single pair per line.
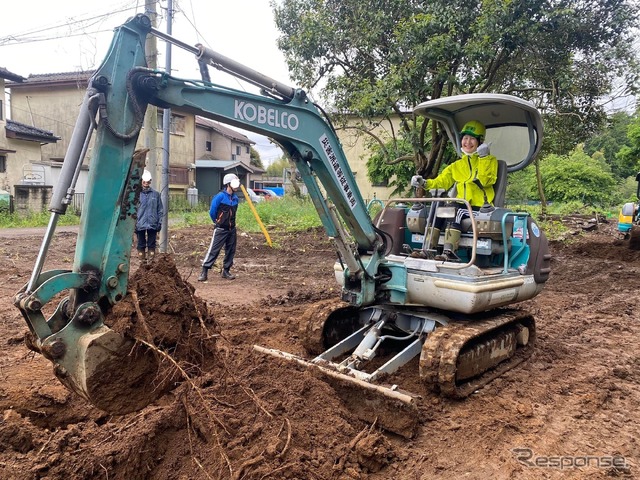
69,35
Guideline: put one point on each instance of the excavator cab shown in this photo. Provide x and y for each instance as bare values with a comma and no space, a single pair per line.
514,126
514,134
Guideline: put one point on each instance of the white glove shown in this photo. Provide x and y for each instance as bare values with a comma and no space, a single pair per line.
417,181
483,150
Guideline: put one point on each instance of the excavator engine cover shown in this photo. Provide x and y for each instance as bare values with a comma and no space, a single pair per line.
490,224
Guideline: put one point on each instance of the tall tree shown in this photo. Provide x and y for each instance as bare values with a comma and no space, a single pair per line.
379,59
610,140
628,157
255,159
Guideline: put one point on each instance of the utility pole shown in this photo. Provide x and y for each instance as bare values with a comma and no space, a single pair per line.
166,142
151,117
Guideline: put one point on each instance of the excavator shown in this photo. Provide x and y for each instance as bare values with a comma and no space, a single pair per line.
629,220
399,304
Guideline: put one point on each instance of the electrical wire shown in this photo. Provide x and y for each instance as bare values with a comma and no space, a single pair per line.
28,36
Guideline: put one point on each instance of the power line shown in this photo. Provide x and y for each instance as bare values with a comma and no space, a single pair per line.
28,36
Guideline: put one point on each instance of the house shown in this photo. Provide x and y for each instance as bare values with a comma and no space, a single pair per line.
201,150
52,102
20,153
213,143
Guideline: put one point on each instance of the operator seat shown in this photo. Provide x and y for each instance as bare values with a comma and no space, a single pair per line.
500,187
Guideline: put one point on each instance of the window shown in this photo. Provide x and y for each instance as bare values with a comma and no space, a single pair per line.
179,175
233,156
177,125
238,150
3,163
207,146
382,183
1,112
248,150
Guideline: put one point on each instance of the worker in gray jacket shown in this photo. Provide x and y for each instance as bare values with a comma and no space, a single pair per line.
149,221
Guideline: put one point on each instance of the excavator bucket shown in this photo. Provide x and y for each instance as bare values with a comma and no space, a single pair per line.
111,372
142,347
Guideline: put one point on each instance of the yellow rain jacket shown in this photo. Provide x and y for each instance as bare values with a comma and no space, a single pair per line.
462,174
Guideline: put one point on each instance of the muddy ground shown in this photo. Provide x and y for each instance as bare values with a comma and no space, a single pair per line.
571,411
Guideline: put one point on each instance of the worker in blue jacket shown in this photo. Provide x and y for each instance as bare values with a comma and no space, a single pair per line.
223,214
149,221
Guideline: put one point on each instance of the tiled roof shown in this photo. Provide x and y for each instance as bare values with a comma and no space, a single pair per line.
224,164
25,132
70,78
6,74
223,130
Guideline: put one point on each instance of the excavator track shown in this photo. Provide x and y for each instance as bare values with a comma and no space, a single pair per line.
327,322
465,355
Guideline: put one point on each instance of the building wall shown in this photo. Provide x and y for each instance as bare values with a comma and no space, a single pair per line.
20,152
353,144
53,109
31,198
181,151
222,147
56,109
21,163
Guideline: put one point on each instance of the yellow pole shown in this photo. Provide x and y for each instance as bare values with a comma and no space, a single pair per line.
255,214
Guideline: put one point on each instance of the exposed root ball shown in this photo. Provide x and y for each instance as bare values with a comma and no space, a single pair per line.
170,324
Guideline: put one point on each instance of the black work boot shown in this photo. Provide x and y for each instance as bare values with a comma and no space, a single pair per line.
227,274
203,275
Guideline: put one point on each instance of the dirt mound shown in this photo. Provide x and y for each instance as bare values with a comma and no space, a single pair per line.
222,411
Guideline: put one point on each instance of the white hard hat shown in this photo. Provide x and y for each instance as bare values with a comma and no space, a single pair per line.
146,176
232,179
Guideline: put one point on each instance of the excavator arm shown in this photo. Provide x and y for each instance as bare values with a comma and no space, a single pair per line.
74,337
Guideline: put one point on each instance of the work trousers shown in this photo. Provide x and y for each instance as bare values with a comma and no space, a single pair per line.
221,238
146,239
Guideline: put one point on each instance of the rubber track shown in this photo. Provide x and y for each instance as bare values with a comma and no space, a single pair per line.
439,357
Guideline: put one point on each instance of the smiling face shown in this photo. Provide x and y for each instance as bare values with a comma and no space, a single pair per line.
146,185
469,144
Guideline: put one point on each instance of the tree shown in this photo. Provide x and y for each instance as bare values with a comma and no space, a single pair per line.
627,159
282,168
256,161
610,140
379,62
277,167
578,177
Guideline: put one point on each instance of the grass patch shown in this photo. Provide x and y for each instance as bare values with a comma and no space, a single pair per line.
40,219
290,213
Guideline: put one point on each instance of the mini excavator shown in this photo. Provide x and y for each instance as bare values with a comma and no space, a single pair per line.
456,317
629,220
